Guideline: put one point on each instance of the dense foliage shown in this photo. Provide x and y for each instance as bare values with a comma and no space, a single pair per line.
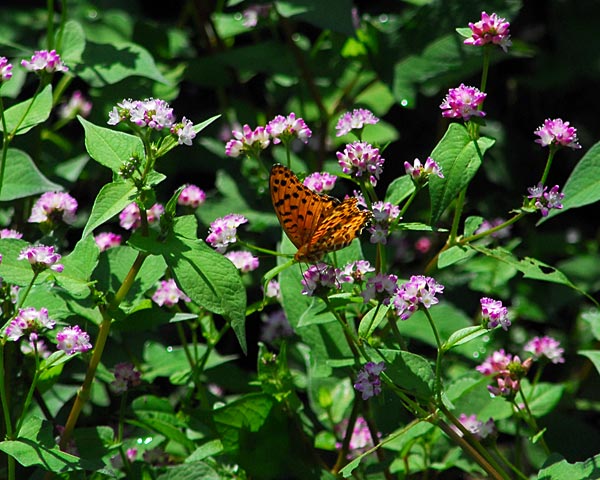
175,307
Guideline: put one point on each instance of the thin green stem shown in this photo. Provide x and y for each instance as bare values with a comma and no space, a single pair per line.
514,468
530,419
6,412
460,203
510,221
551,154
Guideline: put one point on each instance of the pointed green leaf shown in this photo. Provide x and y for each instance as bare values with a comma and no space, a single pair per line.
583,185
111,200
79,265
22,178
110,147
460,159
26,115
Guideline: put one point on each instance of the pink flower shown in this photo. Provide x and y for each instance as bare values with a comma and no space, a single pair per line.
276,326
106,240
462,102
557,132
184,131
368,381
354,271
546,347
318,278
355,121
546,200
150,112
191,196
361,439
9,233
77,105
169,294
493,313
5,70
320,181
384,214
29,321
418,291
52,207
41,257
423,245
73,340
253,13
490,29
126,377
130,217
243,261
359,158
284,129
248,142
223,231
44,60
496,363
420,172
273,290
479,430
380,287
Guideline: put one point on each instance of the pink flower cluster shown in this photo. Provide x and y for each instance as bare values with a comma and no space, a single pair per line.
44,61
480,430
29,321
130,217
321,277
223,231
76,105
463,102
360,158
244,261
419,291
384,214
73,340
546,200
493,313
355,121
191,196
106,240
381,287
507,372
368,381
155,114
545,347
320,182
169,294
41,257
52,207
5,70
490,29
361,439
420,173
557,132
126,377
251,142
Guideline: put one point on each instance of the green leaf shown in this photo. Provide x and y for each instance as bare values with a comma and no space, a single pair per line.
557,468
106,64
530,267
14,271
583,185
156,414
189,471
399,189
594,356
35,446
205,275
335,16
110,201
592,318
454,254
371,321
409,371
249,413
460,159
115,264
543,398
109,147
73,43
79,265
26,115
464,335
22,178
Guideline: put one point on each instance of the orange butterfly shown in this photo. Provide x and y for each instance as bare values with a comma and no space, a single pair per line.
315,223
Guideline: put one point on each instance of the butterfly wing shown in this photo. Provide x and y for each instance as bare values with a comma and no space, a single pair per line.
298,208
337,230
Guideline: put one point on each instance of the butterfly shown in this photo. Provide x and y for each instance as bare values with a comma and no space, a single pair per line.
315,223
